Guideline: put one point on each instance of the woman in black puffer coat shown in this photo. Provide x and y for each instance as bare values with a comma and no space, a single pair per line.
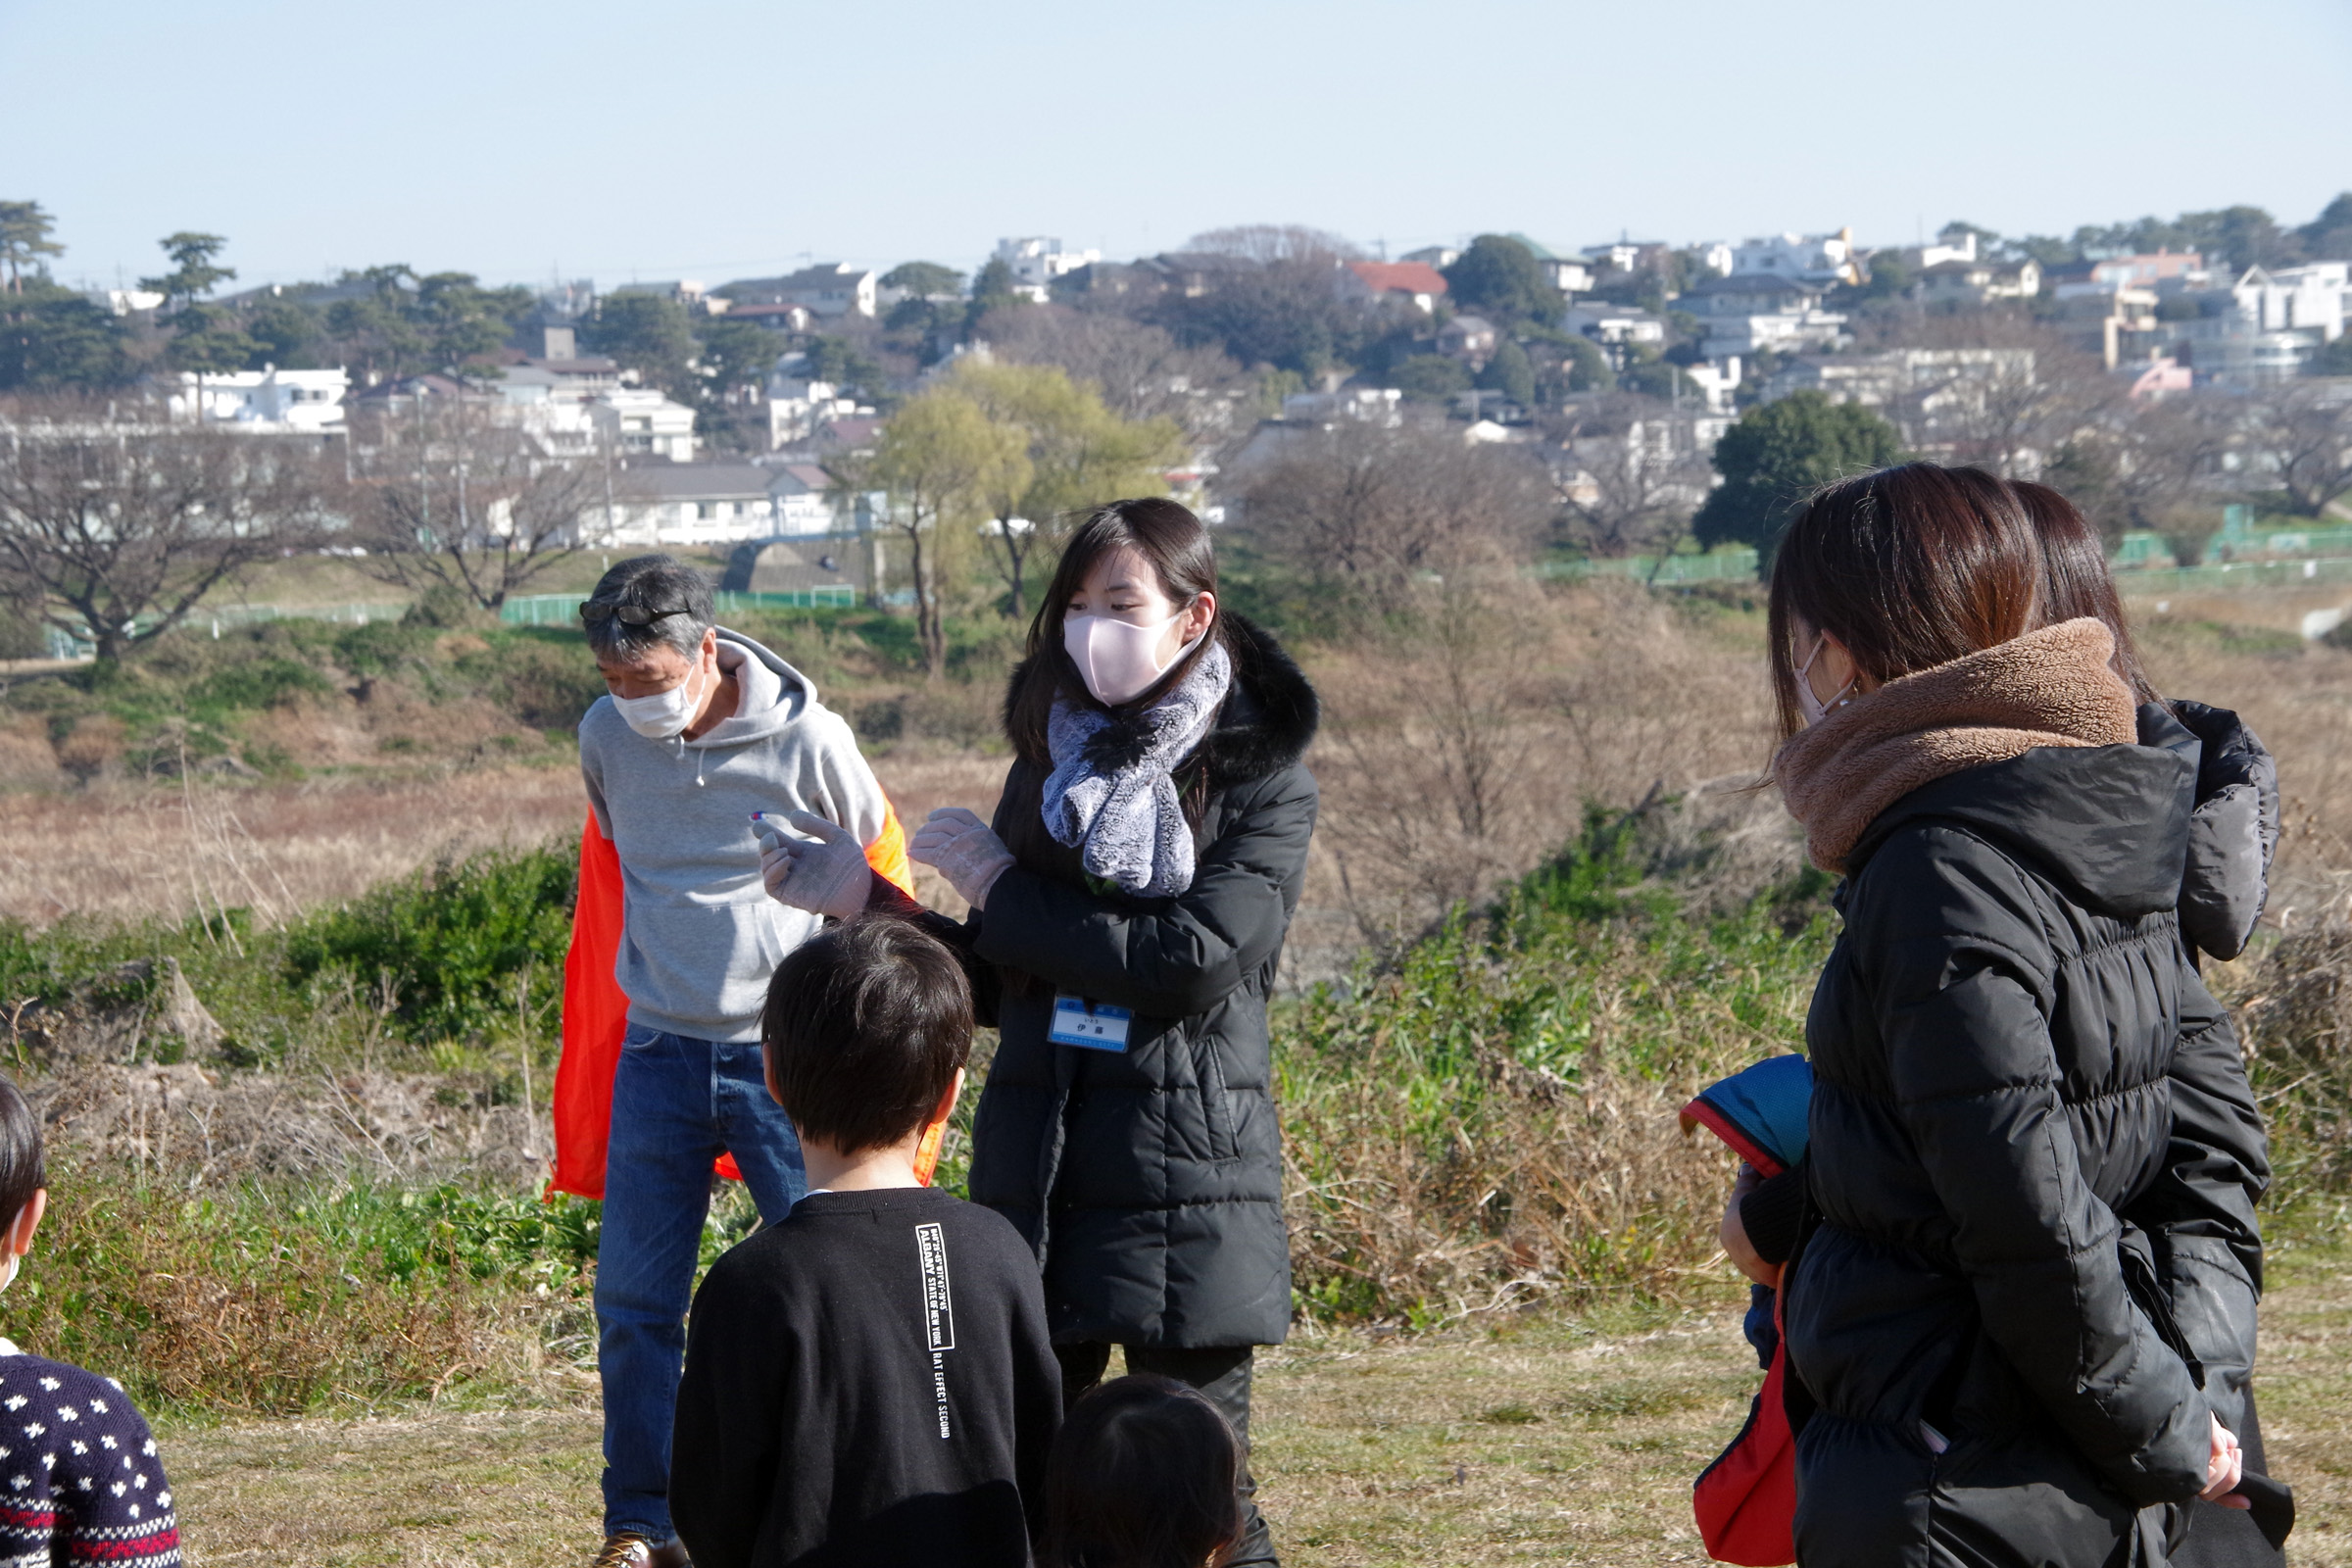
1986,1364
1141,871
2199,1214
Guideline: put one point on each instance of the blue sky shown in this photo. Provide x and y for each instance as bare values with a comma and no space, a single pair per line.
717,138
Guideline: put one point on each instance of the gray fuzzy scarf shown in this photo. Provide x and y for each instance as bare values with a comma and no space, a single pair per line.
1111,790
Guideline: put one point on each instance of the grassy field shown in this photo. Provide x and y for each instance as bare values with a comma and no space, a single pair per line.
328,1275
1541,1439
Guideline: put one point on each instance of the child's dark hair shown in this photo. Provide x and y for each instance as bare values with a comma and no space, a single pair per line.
1142,1475
23,1171
864,1028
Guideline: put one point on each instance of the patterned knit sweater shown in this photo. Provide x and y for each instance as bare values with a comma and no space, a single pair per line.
80,1480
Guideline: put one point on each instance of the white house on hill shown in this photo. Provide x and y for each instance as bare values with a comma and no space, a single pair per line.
270,401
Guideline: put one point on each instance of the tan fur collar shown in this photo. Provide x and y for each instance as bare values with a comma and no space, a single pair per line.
2052,687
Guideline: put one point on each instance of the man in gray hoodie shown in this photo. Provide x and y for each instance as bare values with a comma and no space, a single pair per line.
702,728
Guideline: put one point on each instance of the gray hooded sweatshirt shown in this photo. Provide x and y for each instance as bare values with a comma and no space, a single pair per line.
699,936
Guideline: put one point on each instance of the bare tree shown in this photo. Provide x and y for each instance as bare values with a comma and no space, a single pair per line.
1276,242
116,531
2303,434
1992,387
1366,510
445,497
1629,472
2151,464
1142,371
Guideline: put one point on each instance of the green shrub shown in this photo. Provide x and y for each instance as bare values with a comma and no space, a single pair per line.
267,1301
1491,1119
452,943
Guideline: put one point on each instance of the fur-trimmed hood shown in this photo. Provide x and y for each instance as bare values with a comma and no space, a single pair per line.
1268,721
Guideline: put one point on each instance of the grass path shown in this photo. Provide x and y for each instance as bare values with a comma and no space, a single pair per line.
1538,1442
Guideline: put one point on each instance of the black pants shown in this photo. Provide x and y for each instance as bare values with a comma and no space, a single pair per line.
1223,1375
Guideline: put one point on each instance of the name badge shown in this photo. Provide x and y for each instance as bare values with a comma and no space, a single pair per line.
1096,1025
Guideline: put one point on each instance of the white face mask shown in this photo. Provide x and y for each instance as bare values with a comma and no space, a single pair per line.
1117,659
1812,707
665,713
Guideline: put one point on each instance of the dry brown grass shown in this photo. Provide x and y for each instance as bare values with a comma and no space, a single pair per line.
133,851
2244,654
1462,745
1543,1439
129,851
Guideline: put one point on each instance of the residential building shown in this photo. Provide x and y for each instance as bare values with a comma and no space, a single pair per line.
1569,275
1469,338
2122,318
1192,274
638,421
125,301
2145,272
1954,242
1037,262
1823,259
801,500
1611,325
2262,329
1627,256
777,317
1715,258
833,290
1365,404
2292,299
1438,255
1977,281
1925,381
658,504
1414,286
1749,312
2157,378
266,402
797,405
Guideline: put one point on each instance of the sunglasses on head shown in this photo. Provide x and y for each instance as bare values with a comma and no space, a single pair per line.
626,615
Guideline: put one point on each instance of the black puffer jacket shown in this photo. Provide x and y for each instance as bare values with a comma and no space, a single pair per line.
1149,1181
2199,1213
1992,1042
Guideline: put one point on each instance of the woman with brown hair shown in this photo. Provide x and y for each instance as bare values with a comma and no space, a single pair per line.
1129,904
2199,1213
1985,1365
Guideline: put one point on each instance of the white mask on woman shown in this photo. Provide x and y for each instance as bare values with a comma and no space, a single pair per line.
1812,707
1117,659
665,713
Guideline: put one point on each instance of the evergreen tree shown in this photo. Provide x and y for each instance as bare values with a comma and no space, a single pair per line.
1778,454
1502,280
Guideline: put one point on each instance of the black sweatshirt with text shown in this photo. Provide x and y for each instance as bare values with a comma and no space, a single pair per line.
870,1382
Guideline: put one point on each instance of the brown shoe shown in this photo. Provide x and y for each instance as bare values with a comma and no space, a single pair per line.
628,1549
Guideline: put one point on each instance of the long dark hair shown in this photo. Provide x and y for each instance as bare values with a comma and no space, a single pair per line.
1142,1475
2075,579
1164,533
1911,567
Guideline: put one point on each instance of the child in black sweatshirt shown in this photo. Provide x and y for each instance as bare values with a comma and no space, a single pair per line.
870,1382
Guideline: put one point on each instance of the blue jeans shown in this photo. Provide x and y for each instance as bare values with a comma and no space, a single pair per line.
678,1103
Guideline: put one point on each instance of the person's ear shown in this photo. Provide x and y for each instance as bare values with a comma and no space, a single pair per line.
19,1236
710,643
1200,616
946,1105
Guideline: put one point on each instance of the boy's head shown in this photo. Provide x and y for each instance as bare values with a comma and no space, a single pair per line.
23,1178
1142,1476
864,1031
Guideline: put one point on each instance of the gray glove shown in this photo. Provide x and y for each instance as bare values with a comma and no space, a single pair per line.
828,876
965,850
